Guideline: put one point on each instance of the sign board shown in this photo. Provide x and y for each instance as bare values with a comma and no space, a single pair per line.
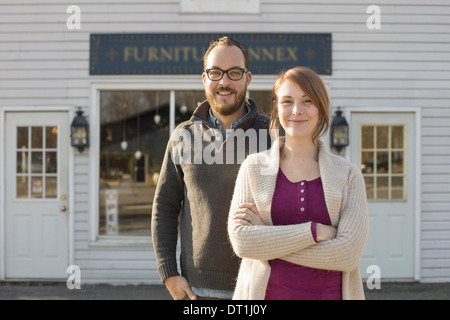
182,53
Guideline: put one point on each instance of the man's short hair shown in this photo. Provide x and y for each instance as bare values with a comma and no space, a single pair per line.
226,41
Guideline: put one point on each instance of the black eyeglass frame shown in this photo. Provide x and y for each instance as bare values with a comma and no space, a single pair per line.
244,70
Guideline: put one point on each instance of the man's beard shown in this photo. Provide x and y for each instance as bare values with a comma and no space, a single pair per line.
229,108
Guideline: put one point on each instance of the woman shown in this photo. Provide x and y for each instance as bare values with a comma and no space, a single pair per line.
299,215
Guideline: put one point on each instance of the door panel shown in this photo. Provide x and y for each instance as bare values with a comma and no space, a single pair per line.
384,149
37,179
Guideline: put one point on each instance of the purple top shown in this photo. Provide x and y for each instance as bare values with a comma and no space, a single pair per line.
295,203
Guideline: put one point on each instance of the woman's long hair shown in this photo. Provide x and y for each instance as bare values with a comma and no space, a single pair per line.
313,86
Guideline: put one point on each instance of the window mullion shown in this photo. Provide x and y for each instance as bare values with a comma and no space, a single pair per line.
172,112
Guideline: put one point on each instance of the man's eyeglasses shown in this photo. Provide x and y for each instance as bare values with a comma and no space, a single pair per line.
234,74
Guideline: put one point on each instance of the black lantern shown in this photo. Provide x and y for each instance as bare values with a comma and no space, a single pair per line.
80,131
339,131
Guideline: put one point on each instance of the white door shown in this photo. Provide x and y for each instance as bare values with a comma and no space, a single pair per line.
383,145
36,213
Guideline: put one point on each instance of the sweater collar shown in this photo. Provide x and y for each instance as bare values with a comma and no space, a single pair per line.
263,174
217,124
201,113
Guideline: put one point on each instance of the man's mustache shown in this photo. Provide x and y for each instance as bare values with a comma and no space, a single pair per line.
220,88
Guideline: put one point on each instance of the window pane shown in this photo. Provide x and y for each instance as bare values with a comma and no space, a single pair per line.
367,137
382,162
51,165
397,162
382,137
370,190
36,162
367,162
51,188
22,187
397,137
382,188
51,135
36,137
131,121
22,162
397,188
22,137
36,187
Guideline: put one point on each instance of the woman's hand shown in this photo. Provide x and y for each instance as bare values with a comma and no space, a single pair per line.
248,214
324,232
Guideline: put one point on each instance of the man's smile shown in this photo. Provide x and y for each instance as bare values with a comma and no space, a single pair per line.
225,92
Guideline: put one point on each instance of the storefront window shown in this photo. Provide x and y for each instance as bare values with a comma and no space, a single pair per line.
134,136
135,129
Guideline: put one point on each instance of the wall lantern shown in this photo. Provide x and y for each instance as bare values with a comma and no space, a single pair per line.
80,131
339,131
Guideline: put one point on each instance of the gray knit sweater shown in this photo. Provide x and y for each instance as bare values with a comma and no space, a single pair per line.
193,197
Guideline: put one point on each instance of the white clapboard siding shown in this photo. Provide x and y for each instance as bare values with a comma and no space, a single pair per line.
404,64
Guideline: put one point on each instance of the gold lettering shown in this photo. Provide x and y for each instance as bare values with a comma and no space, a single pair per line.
195,56
280,54
188,53
265,53
127,53
153,54
184,51
292,54
254,55
177,54
283,57
167,54
136,54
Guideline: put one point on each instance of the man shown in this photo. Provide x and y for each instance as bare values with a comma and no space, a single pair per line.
193,195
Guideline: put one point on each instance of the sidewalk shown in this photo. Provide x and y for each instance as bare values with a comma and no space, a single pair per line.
59,291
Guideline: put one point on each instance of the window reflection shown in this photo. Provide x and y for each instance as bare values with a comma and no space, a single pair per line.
22,187
185,104
263,99
22,137
36,137
367,137
367,162
134,134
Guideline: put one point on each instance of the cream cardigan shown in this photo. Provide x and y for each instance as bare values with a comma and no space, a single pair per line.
345,197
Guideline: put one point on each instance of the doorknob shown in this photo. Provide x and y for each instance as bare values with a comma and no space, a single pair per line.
63,208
